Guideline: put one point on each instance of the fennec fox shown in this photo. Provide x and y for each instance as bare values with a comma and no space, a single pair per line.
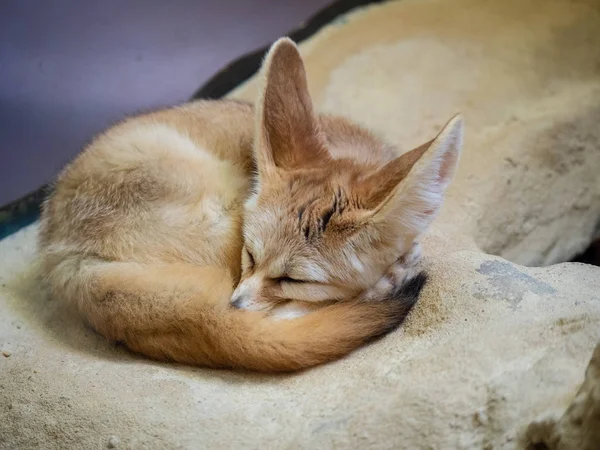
313,218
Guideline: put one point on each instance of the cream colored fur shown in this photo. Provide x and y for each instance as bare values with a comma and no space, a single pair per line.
149,229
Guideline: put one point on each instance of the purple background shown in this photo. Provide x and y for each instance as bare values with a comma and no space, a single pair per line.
69,68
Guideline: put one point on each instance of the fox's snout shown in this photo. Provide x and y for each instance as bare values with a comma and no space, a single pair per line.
246,294
239,302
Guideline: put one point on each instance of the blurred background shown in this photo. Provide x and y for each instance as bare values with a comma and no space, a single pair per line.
70,68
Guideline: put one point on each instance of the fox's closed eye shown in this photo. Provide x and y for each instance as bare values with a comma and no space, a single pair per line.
289,280
251,260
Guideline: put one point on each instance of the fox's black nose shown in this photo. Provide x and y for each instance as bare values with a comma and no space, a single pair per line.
238,302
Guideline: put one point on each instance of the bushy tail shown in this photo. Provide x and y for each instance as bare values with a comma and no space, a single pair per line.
180,313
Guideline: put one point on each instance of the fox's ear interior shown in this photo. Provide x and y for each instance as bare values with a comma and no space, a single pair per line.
408,191
287,130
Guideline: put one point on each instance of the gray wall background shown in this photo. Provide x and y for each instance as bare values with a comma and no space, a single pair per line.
69,68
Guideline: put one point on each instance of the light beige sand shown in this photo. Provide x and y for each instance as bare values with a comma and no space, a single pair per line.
492,345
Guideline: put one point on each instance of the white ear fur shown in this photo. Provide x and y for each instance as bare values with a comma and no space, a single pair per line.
418,197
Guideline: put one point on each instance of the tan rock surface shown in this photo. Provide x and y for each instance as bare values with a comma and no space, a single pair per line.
492,345
579,426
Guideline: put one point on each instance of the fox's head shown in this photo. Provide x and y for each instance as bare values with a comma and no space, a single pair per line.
320,228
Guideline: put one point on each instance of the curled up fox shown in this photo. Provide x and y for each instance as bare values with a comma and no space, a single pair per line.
230,235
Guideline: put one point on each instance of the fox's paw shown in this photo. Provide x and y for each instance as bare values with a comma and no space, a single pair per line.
412,257
404,269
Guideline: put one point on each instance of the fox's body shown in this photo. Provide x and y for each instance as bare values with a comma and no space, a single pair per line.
146,230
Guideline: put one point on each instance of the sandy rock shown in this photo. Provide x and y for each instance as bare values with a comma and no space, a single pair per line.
579,426
113,442
490,348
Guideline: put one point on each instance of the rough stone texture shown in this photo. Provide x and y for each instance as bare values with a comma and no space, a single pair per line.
492,346
579,426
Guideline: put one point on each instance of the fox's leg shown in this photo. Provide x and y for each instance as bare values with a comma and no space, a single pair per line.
404,269
407,266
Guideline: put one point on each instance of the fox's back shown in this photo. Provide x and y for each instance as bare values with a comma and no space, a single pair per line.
170,186
165,187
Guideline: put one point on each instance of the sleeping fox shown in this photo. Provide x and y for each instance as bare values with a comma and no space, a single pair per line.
312,219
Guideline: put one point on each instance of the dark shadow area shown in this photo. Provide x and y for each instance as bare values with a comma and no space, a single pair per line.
591,255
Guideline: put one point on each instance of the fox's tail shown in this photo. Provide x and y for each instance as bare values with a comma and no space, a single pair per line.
180,312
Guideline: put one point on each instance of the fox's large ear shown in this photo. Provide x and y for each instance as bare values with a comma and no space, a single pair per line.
287,131
408,191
